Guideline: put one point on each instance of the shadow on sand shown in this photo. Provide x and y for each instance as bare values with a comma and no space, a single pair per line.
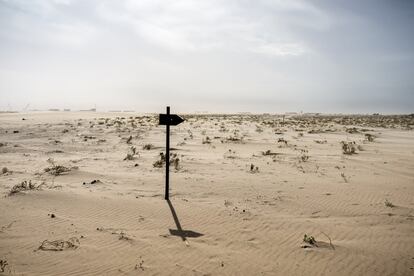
184,234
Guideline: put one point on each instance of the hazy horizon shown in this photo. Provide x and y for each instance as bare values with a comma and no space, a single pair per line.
217,56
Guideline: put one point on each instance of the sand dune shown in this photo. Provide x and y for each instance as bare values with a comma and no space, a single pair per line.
241,199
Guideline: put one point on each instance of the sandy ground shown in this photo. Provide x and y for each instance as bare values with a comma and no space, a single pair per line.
241,199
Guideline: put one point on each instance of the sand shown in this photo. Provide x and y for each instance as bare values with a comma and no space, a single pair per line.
241,199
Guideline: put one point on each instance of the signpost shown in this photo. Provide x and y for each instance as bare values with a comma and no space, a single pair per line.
168,120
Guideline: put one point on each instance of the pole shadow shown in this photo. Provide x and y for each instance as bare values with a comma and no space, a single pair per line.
184,234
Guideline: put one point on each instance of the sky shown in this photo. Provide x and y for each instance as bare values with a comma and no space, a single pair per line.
217,55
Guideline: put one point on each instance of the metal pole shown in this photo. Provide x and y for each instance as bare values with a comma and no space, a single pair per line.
167,160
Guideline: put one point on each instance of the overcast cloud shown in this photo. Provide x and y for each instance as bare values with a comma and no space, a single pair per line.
218,55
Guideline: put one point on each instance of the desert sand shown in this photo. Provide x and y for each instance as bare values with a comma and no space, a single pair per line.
245,189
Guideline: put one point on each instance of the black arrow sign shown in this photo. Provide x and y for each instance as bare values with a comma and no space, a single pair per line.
168,120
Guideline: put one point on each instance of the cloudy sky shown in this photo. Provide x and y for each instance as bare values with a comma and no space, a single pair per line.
213,55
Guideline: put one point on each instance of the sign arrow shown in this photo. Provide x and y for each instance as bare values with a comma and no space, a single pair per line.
170,119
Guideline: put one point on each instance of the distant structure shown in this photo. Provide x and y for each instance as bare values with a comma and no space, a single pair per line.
66,109
54,109
88,110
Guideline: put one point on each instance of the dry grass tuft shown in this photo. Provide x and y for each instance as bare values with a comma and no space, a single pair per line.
24,186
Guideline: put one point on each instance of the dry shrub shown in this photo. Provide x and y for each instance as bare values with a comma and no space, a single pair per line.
24,186
56,169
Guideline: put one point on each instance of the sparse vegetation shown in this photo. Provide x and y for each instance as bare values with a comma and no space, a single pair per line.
348,147
254,169
206,140
140,264
269,153
3,264
389,204
309,240
148,147
344,177
131,154
159,163
4,170
282,140
259,129
303,157
174,161
369,137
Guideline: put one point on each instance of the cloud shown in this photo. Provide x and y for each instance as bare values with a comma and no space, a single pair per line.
259,53
212,25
